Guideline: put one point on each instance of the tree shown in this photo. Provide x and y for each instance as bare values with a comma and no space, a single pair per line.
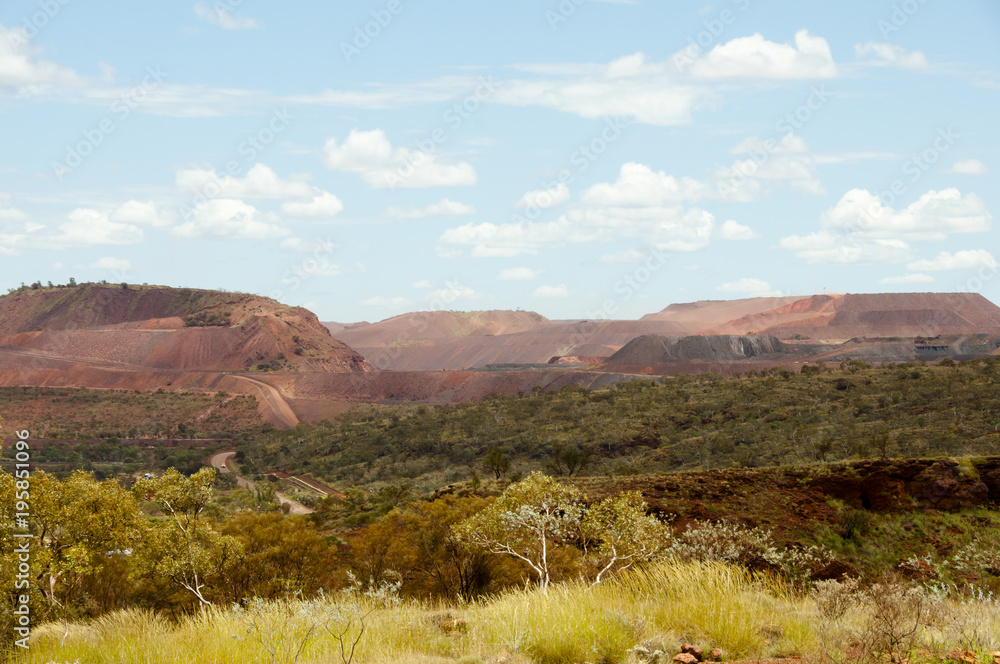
80,525
497,462
528,521
184,547
618,533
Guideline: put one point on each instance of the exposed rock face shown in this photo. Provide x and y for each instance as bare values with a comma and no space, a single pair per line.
652,349
892,486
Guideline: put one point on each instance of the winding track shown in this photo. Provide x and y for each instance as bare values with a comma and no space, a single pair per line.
221,461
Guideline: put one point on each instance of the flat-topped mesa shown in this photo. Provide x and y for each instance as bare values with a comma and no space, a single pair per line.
171,328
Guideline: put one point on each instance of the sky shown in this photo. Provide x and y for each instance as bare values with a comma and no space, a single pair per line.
578,158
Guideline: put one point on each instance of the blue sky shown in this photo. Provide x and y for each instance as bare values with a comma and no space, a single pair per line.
580,159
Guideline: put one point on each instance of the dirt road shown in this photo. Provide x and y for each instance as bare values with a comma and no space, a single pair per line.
273,398
223,462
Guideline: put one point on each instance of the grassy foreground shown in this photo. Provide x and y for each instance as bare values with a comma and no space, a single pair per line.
710,605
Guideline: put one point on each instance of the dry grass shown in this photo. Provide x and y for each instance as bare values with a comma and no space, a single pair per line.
710,605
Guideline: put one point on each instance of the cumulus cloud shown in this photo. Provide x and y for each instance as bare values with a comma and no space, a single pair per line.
141,213
23,71
786,159
969,167
859,229
551,291
224,19
544,198
519,274
490,240
890,54
930,218
87,227
917,278
960,260
443,208
640,185
423,284
323,205
750,287
229,218
731,230
755,57
381,166
665,92
260,182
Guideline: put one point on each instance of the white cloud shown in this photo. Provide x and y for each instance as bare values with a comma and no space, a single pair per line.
754,57
323,205
111,263
750,287
639,185
731,230
229,218
544,198
453,290
668,228
859,229
423,284
629,87
260,182
829,248
918,278
23,72
381,301
443,208
781,160
519,274
381,166
512,239
87,227
930,218
960,260
551,291
624,256
140,213
890,54
222,18
969,167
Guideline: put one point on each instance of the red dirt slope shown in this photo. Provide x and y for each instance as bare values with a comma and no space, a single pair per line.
145,327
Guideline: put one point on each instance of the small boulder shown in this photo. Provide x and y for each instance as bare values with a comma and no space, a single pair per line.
685,658
693,650
715,655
